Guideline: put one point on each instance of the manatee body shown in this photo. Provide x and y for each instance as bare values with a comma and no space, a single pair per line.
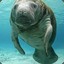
35,23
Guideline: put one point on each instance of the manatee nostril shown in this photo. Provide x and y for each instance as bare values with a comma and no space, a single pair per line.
21,13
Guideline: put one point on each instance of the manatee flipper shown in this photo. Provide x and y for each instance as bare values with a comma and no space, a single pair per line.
41,57
47,38
47,44
16,42
52,55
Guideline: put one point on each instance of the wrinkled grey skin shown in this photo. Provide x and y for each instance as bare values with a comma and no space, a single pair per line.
35,23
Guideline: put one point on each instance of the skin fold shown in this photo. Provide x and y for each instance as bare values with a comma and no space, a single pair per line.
35,23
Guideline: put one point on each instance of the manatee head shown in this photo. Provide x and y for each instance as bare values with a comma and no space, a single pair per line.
26,13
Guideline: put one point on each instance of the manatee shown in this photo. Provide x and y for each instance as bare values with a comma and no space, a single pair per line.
35,23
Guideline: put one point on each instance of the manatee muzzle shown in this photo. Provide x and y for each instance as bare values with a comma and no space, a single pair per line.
24,19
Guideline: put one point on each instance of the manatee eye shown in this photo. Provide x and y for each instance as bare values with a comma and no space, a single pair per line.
15,7
33,5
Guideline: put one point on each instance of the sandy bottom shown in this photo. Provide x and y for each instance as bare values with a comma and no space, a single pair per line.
16,58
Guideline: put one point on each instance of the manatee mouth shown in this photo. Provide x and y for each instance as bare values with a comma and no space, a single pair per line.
24,21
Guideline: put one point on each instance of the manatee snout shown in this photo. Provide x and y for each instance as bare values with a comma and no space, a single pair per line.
22,18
